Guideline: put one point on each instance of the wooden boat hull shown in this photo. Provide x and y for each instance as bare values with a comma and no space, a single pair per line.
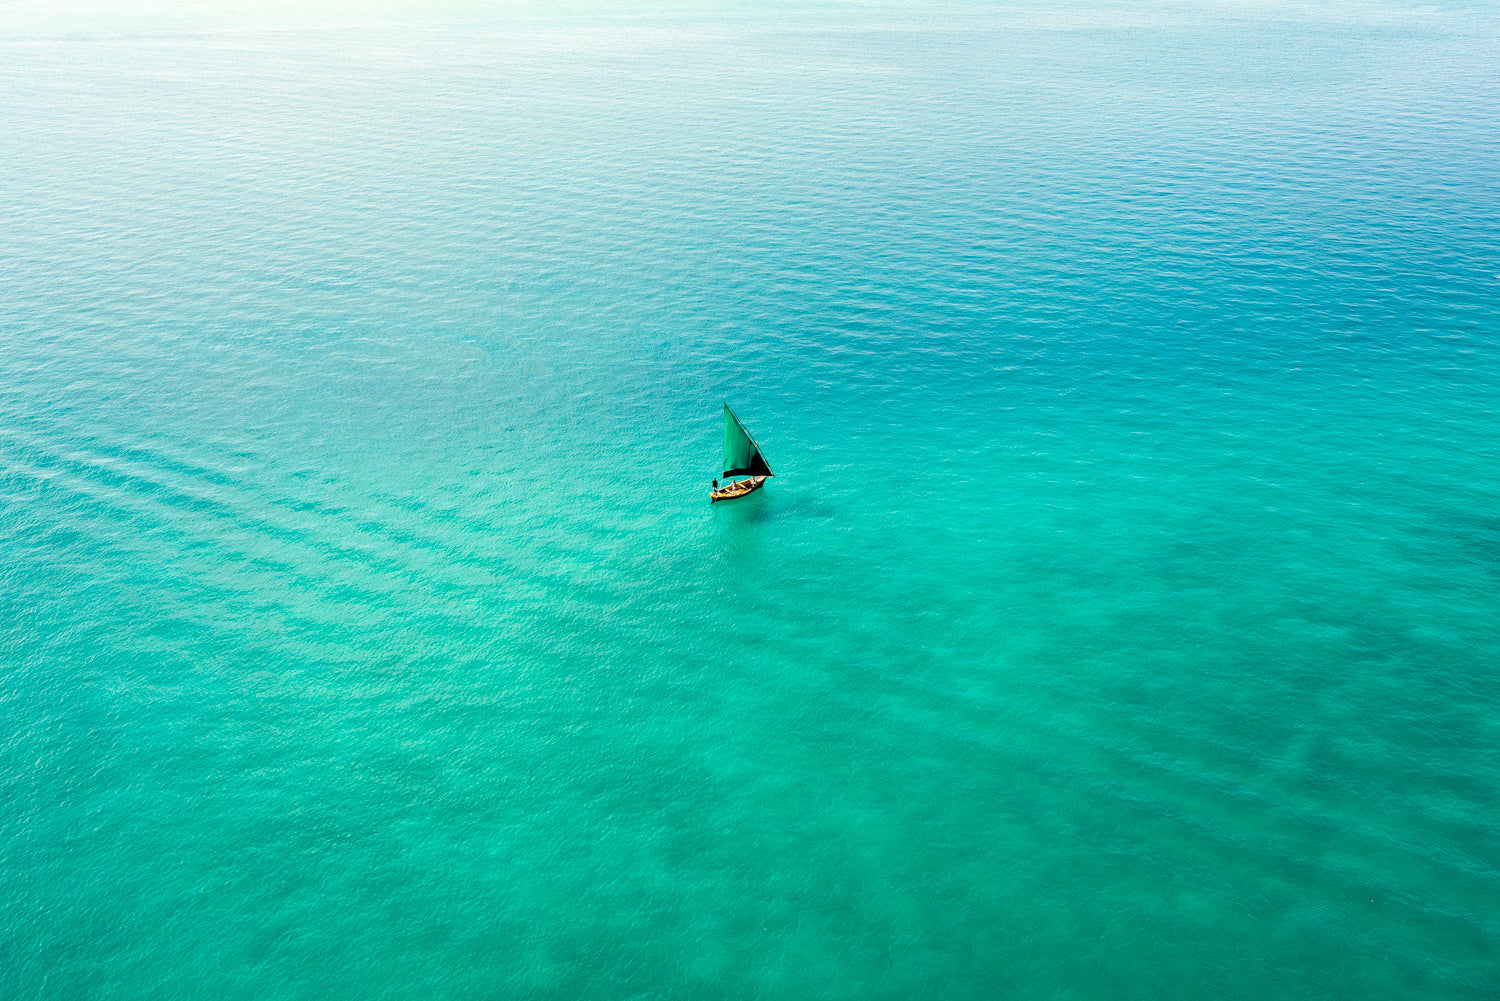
729,491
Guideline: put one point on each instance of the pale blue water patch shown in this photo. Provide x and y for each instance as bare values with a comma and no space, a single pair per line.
1120,621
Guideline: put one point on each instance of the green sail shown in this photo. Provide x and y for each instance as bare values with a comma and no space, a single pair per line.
741,454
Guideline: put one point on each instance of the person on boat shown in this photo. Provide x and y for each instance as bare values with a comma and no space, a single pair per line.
716,484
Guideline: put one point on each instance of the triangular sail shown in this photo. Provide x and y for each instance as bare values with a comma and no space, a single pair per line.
741,454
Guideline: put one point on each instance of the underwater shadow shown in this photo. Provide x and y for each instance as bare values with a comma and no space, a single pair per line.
772,509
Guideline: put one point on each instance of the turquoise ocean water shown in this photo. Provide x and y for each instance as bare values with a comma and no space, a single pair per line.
1121,621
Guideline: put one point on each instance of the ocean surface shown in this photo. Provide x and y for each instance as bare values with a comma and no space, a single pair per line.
1123,619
